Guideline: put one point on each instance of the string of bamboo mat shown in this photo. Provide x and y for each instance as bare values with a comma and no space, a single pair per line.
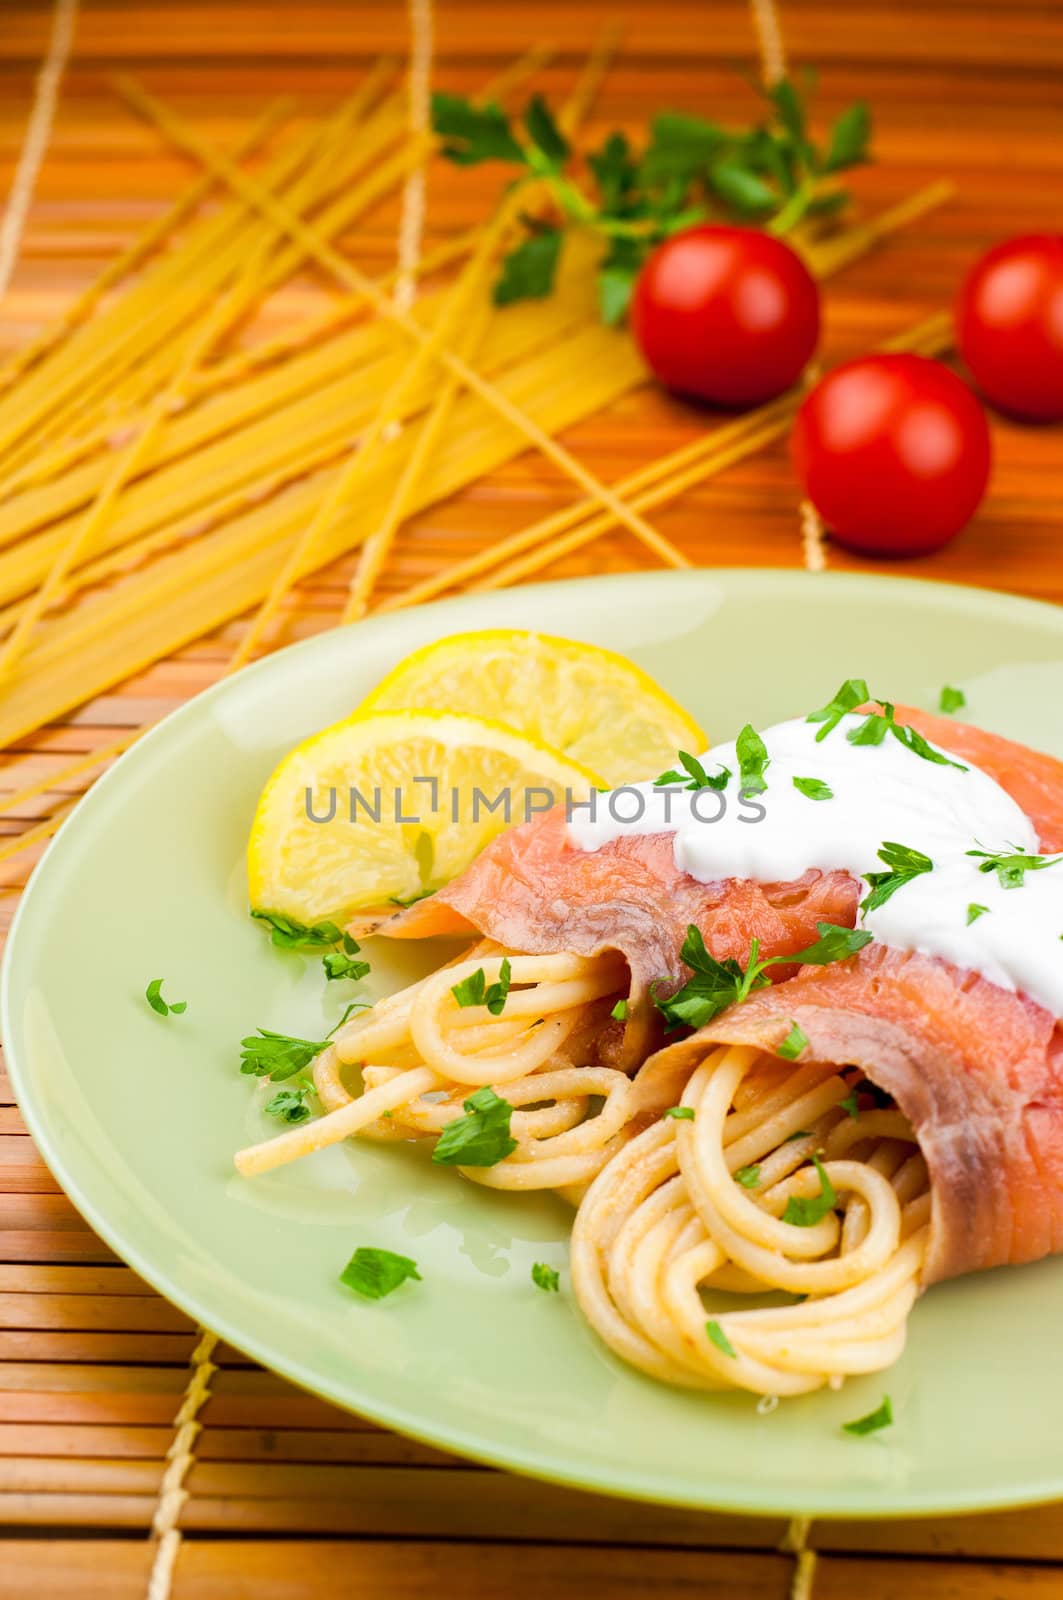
229,553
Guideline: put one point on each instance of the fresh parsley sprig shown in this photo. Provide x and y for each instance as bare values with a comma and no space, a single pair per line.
903,864
290,1105
288,934
281,1055
693,775
163,1008
374,1273
753,761
715,985
341,963
876,725
805,1211
881,1417
476,991
546,1278
1011,869
772,174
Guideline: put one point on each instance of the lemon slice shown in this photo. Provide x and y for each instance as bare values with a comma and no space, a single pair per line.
596,707
385,807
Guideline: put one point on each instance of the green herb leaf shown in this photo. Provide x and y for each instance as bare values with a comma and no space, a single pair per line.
720,1339
852,693
748,1177
288,934
528,271
153,995
851,1104
277,1055
290,1105
619,1011
974,911
693,775
1011,870
882,1417
681,1113
340,963
814,788
753,761
904,864
951,700
849,139
375,1273
475,991
680,147
833,944
806,1212
474,133
481,1138
544,132
793,1044
545,1277
741,189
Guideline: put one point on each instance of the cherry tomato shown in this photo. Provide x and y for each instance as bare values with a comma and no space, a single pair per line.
893,452
727,314
1009,325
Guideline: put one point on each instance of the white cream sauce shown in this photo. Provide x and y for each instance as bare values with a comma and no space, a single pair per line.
880,793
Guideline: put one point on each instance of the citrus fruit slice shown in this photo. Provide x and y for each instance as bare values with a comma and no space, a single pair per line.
596,707
385,807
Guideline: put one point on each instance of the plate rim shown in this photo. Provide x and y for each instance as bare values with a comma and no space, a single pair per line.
625,1483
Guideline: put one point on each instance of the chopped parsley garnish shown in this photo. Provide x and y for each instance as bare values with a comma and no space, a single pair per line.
288,934
814,788
681,1113
952,700
720,1339
876,724
749,1176
153,995
375,1273
851,1104
974,911
545,1277
619,1011
693,775
880,1418
806,1212
290,1104
481,1138
796,1041
1012,869
715,985
475,990
753,761
282,1055
904,864
852,693
340,963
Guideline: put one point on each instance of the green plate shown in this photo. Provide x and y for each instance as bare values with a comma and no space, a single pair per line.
138,1116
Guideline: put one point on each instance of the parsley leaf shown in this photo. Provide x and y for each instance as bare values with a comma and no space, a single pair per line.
851,1104
720,1339
880,1418
796,1041
277,1055
753,761
153,995
806,1212
749,1176
481,1138
475,991
852,693
545,1277
474,133
545,134
833,944
814,788
974,911
693,775
952,700
1011,870
849,139
904,864
288,934
374,1273
290,1104
339,963
529,270
681,1113
619,1011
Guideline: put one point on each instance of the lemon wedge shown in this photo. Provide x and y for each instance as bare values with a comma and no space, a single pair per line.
598,708
385,807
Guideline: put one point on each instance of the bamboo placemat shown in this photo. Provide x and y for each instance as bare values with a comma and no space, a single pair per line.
286,1496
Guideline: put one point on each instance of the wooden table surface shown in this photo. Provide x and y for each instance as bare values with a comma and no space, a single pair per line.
289,1497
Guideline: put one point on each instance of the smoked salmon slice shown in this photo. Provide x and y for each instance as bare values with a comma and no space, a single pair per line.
976,1070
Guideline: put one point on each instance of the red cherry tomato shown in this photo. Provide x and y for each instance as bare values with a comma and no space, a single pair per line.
893,452
730,315
1009,325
